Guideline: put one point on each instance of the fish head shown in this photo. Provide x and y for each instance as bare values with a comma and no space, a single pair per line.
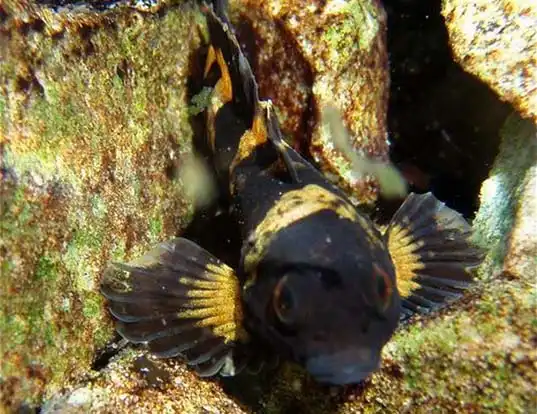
324,293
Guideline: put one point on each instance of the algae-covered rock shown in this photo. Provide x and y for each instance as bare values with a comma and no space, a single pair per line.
506,220
94,115
132,382
497,42
94,123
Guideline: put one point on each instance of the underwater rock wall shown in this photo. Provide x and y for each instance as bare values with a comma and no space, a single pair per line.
307,55
94,125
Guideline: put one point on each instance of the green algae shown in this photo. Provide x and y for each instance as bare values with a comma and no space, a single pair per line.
200,101
503,189
86,149
474,347
46,269
156,226
359,27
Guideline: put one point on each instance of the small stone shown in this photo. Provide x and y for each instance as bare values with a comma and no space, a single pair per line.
80,396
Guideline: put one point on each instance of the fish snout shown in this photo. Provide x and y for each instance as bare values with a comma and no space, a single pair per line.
348,366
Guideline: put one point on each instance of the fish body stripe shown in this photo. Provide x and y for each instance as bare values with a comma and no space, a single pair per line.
293,206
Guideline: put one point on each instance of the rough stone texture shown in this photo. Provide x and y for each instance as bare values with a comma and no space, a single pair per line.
508,210
497,42
93,125
309,54
93,118
133,383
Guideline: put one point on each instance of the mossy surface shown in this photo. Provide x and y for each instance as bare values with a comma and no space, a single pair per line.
94,120
511,182
359,27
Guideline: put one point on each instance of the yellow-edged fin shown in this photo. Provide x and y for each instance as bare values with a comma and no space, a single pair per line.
180,300
222,93
431,250
236,83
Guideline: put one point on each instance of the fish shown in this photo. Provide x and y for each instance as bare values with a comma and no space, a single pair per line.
317,282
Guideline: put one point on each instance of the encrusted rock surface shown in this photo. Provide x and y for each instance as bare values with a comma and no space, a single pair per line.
93,118
507,217
133,383
94,125
497,42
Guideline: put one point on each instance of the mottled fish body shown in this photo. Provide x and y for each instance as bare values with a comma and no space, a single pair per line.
317,282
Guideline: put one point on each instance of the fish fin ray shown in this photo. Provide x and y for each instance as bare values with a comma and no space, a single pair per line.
177,298
299,169
432,253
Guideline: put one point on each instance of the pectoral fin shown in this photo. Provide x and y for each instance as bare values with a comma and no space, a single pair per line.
180,300
430,247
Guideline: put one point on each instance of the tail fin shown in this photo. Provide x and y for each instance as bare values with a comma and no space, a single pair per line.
180,300
430,248
236,81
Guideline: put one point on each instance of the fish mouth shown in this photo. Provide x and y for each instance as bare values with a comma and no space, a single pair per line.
345,367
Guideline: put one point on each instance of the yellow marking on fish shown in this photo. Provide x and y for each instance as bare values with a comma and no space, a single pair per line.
223,90
250,140
224,86
369,229
211,58
290,208
214,106
402,249
216,303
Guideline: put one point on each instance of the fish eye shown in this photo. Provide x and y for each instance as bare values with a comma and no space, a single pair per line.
283,301
383,286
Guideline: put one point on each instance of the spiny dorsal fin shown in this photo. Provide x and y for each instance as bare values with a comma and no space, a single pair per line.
430,247
299,169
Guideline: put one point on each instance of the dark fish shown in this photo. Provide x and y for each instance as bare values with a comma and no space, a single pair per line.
317,282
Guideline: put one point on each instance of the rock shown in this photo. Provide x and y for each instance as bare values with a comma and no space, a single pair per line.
310,54
133,382
497,42
506,219
94,120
